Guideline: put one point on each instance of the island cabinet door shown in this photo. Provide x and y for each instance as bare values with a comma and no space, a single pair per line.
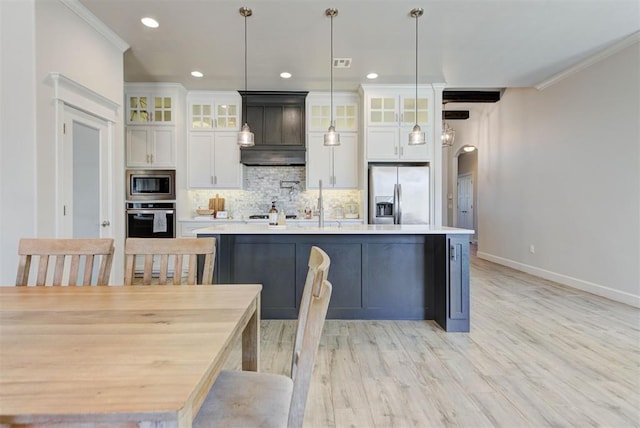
456,310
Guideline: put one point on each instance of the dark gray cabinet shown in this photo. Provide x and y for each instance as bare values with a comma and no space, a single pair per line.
276,118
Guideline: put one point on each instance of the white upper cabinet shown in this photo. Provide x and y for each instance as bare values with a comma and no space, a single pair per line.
390,114
345,112
150,108
154,112
214,111
151,146
214,160
337,166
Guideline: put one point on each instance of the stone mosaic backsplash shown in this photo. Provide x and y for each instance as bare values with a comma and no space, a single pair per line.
262,184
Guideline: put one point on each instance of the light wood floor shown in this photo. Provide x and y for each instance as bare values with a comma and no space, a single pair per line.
539,355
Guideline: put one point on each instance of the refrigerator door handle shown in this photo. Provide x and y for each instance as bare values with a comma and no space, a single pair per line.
395,204
399,204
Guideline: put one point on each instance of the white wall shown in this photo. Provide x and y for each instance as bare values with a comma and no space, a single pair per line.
47,36
17,132
560,169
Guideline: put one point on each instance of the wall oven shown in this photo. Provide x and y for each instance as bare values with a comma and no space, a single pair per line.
151,203
151,185
151,219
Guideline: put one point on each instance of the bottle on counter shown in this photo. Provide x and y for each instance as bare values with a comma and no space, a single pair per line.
273,214
282,218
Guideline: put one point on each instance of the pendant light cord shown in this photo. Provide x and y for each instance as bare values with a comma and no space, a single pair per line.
245,68
331,65
416,106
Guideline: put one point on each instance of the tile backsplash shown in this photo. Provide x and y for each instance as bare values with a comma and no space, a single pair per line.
263,184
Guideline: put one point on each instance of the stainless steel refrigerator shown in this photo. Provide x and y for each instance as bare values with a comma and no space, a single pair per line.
398,194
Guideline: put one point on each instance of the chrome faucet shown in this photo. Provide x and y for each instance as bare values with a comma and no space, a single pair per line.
320,206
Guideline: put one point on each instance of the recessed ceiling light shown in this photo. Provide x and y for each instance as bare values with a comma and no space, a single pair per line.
285,75
197,73
150,22
372,76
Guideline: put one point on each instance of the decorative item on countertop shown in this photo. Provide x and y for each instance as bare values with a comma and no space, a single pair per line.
204,211
308,213
216,204
282,218
273,214
351,210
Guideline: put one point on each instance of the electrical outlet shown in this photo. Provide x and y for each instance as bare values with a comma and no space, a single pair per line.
532,249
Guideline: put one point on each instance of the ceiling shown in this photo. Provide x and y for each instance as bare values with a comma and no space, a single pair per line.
463,43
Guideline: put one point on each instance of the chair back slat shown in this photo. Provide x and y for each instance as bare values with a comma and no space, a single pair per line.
303,365
319,263
71,254
183,252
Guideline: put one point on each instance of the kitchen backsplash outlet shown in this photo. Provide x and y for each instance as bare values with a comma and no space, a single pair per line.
262,185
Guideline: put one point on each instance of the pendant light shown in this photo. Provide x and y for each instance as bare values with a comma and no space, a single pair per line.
331,138
448,134
416,136
245,136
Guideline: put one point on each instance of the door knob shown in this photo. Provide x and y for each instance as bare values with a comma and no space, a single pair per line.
106,223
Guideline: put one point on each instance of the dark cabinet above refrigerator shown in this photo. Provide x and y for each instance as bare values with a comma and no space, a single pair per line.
277,120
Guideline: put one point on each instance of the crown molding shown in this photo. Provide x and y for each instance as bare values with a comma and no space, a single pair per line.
96,24
607,52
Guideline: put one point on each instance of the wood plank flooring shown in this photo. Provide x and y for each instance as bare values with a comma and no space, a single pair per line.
539,355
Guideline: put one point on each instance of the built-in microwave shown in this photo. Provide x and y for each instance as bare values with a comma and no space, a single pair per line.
151,184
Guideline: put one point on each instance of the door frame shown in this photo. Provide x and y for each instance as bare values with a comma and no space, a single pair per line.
68,93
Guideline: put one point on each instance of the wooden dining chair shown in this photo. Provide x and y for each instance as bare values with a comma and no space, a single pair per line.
251,399
82,254
157,253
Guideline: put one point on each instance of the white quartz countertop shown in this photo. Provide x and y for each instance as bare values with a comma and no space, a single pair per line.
351,229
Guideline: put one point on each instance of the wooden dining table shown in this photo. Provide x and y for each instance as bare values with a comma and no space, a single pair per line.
119,356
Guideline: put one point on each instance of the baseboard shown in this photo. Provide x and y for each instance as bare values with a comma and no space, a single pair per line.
589,287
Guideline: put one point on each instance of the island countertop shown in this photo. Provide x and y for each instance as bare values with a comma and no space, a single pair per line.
352,229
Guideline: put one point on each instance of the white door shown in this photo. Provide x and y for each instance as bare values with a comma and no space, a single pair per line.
86,175
465,201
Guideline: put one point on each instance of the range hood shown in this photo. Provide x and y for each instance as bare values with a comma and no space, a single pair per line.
277,120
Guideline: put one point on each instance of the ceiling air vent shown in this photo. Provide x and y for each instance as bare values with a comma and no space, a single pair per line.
342,63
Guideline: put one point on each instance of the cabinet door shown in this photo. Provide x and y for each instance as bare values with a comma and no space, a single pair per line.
162,112
345,162
408,116
138,108
319,161
382,110
200,156
201,115
227,114
319,116
345,116
382,144
163,147
138,140
226,161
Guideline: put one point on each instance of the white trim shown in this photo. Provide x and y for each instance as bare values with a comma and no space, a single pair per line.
607,52
83,98
96,24
590,287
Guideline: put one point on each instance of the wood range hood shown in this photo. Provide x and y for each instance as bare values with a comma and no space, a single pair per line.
277,120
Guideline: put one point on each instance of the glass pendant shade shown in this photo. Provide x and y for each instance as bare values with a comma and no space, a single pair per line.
448,136
416,136
332,138
245,136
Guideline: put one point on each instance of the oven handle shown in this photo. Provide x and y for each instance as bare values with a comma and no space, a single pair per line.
149,211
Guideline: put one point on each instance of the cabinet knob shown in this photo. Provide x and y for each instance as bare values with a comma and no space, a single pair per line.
106,223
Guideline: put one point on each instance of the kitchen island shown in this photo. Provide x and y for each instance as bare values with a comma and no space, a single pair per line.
377,271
